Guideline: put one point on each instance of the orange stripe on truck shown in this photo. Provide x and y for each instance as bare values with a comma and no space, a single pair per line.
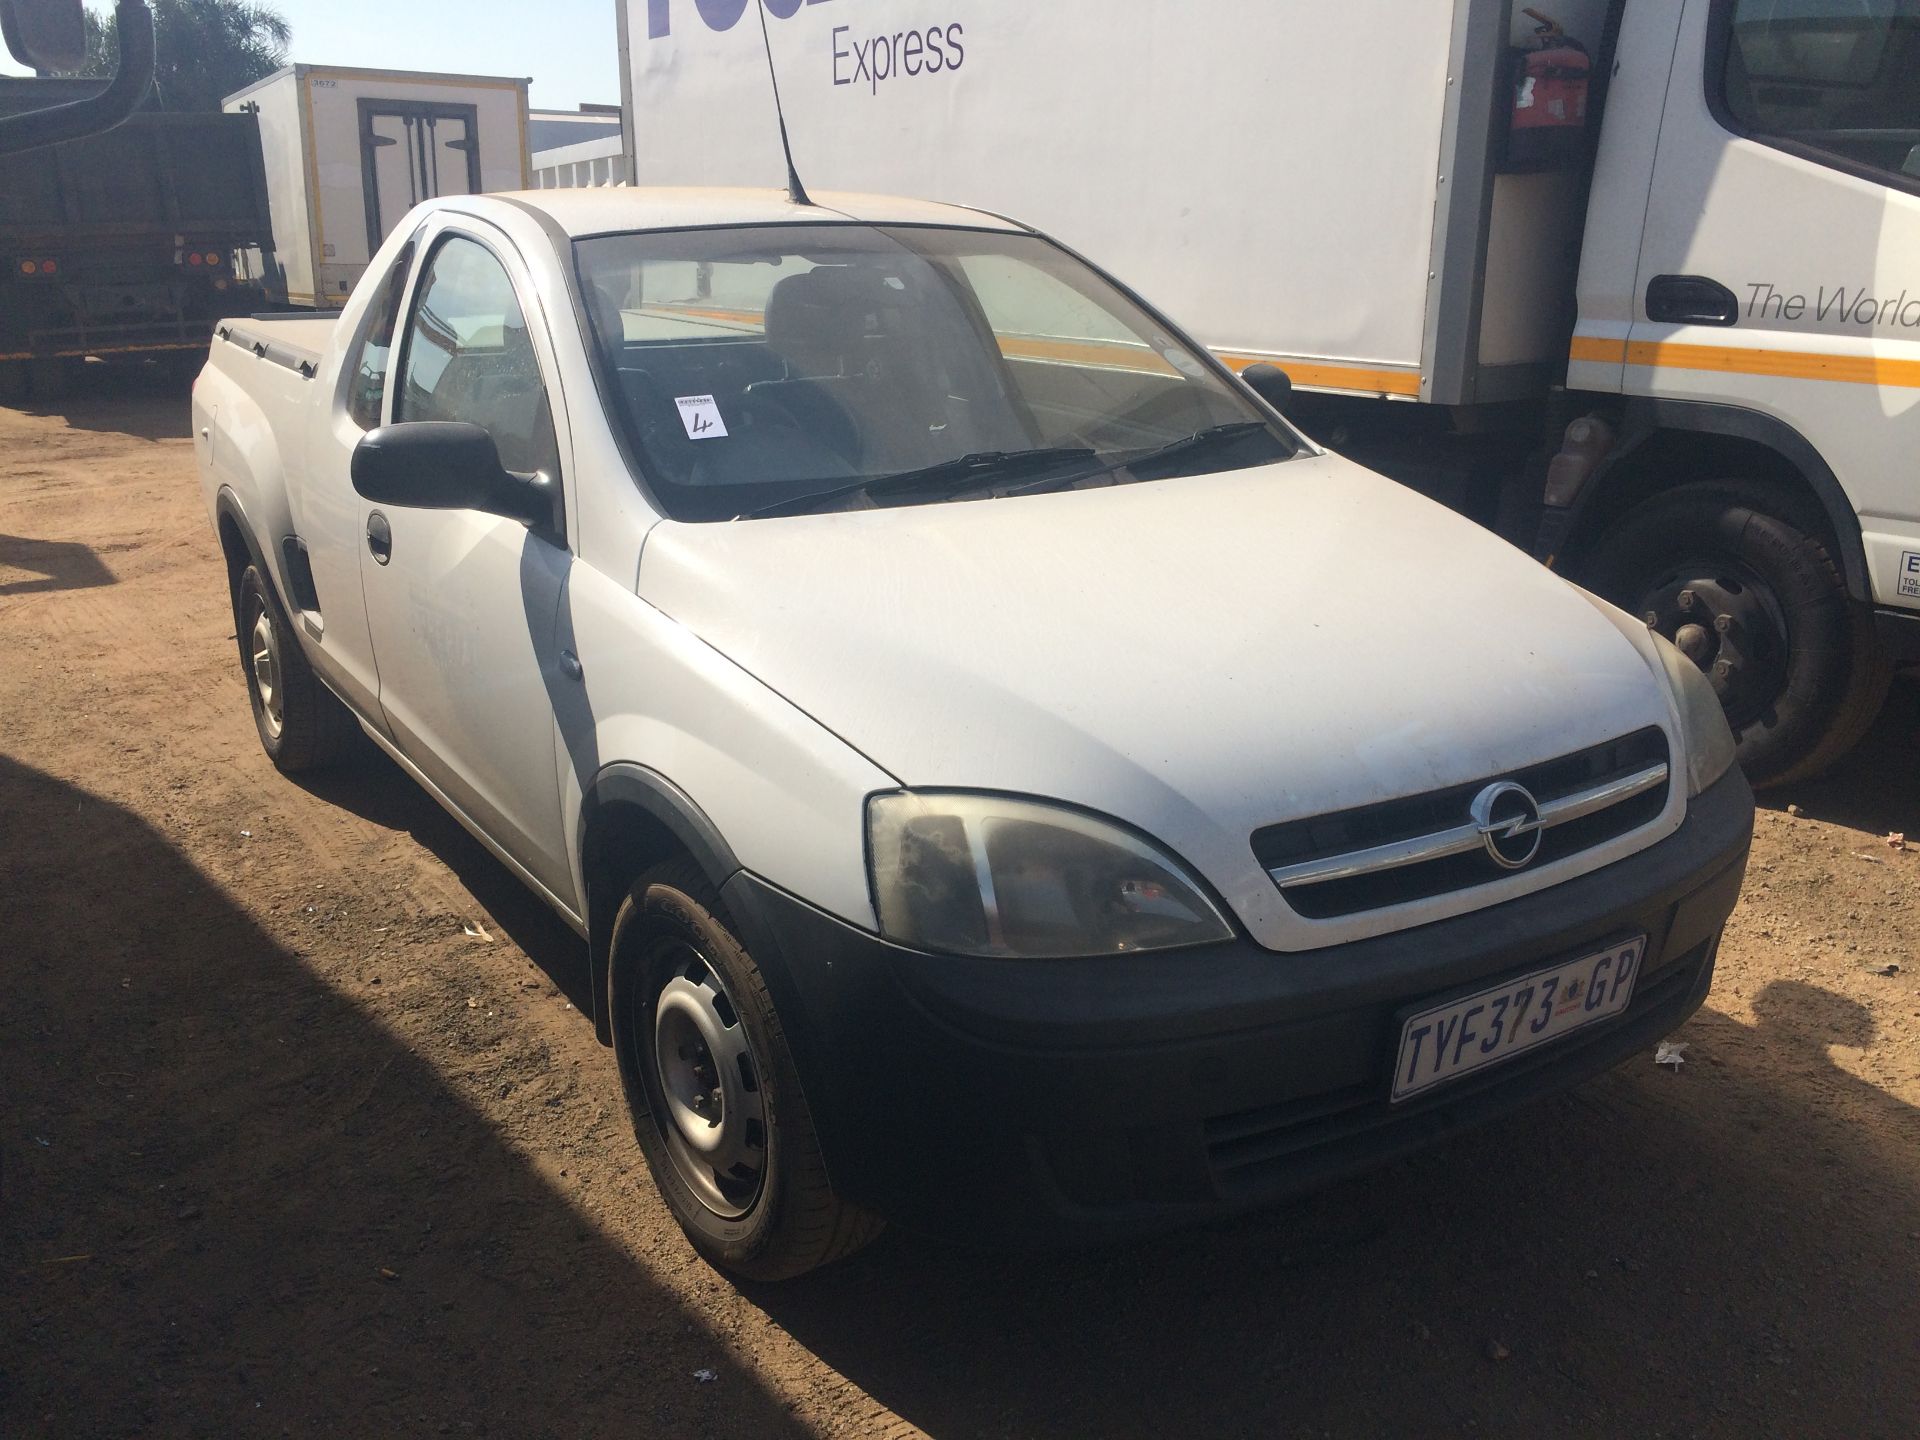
1750,360
1125,355
1369,380
1108,354
1600,352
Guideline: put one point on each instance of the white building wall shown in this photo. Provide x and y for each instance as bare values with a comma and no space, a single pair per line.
591,162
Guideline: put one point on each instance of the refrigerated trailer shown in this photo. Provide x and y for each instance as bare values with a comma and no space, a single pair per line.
349,151
122,243
1637,280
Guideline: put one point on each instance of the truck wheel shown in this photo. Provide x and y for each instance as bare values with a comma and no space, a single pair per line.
1754,599
13,382
302,724
716,1104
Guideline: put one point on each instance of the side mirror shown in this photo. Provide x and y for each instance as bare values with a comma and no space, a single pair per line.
51,35
1270,383
445,465
45,34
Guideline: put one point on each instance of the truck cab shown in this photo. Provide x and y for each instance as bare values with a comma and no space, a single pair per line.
1749,302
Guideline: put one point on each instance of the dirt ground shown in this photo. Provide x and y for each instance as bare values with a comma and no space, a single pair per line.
286,1148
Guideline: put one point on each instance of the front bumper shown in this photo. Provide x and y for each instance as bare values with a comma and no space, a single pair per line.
1072,1100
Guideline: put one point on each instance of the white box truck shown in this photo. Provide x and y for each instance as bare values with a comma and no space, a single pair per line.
1638,280
349,151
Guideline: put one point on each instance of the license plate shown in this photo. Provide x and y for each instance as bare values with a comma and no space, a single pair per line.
1448,1041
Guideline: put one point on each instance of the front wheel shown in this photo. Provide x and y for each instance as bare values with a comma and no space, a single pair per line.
1755,600
716,1103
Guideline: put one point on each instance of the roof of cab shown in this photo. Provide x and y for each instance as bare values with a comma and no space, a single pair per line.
608,209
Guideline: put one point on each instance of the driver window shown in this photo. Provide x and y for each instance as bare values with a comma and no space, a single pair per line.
369,365
469,357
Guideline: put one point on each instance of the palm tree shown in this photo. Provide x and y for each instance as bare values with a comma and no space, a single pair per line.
205,49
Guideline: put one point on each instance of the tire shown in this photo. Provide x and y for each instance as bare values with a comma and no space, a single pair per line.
302,724
13,382
1749,591
717,1106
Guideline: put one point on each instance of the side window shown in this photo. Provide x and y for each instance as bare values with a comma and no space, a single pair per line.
1836,79
469,357
369,366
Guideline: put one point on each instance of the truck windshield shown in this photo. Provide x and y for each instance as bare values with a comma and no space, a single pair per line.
776,369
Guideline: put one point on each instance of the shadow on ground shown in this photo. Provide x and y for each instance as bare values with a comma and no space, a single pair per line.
1728,1250
234,1203
377,790
148,400
50,565
1877,787
1731,1249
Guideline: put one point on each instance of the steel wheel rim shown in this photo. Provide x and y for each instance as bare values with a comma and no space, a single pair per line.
711,1109
264,656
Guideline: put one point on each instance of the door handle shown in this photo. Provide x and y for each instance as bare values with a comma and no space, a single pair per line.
1690,300
379,537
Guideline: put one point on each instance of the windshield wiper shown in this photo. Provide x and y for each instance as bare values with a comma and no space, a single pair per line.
967,467
1199,440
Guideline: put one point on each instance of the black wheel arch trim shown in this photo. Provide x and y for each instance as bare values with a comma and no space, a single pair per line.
1643,419
227,506
626,783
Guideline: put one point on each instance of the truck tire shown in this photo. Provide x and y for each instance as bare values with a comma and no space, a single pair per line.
302,724
13,382
1750,593
710,1082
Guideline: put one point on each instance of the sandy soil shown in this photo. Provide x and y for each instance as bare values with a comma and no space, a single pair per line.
285,1150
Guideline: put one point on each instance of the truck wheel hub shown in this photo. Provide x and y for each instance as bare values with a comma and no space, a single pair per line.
1727,622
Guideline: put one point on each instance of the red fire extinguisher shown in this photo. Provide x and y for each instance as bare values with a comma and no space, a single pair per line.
1550,83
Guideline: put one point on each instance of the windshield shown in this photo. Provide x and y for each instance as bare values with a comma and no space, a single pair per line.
830,366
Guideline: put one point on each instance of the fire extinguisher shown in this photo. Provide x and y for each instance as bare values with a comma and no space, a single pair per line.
1550,82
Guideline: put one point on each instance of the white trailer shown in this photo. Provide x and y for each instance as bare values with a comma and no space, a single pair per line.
350,151
1647,278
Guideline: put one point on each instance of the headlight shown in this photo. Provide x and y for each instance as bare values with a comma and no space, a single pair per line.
1703,723
988,875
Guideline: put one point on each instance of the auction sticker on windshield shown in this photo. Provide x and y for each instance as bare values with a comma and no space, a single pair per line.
1448,1041
701,415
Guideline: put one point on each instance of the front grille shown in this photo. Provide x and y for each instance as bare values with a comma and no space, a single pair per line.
1421,846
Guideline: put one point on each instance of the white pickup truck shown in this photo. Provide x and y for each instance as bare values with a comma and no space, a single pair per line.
953,709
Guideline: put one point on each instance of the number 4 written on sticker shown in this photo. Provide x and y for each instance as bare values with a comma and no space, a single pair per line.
701,417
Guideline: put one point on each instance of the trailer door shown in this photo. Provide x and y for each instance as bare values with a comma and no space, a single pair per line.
412,151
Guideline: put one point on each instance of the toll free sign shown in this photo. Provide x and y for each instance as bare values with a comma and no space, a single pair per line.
1910,574
854,56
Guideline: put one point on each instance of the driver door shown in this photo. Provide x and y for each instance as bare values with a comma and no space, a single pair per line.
463,606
